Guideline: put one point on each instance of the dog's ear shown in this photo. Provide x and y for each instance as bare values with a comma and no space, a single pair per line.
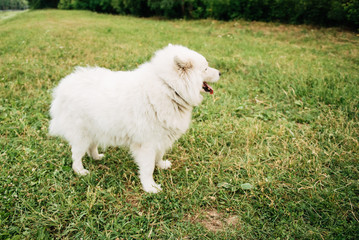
183,65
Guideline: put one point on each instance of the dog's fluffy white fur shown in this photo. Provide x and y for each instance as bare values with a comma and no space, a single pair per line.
146,109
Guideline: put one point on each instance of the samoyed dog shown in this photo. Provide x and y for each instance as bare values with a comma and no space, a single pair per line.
146,109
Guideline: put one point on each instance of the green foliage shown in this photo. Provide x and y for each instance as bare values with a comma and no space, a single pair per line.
322,12
351,8
167,8
194,9
13,4
39,4
135,7
65,4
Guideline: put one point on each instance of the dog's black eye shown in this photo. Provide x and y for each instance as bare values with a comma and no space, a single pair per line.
205,69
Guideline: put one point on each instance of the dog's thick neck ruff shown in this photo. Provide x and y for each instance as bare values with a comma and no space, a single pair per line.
181,103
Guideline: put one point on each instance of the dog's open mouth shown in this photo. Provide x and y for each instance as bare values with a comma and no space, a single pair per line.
207,88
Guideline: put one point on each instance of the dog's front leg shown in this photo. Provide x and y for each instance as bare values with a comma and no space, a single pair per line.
145,158
162,164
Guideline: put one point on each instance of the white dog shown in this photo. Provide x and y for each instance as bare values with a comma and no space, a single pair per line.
146,109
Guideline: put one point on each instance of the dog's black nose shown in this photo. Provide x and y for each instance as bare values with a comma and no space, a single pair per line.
220,73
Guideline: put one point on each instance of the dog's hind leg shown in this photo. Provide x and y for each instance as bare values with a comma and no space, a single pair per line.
93,152
162,164
145,158
78,152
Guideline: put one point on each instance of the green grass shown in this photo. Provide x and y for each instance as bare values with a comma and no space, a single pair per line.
9,14
273,154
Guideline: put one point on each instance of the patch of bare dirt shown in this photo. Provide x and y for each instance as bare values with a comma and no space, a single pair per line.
215,221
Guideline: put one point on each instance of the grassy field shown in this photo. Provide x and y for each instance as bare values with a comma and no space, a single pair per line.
273,154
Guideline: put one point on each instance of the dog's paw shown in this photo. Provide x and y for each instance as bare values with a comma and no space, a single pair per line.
82,172
164,164
98,157
152,188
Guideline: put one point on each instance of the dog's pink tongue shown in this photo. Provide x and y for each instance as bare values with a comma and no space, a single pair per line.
207,88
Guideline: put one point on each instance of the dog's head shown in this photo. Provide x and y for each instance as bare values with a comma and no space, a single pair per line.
185,71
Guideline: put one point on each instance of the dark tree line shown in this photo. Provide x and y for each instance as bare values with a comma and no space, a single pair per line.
319,12
13,4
